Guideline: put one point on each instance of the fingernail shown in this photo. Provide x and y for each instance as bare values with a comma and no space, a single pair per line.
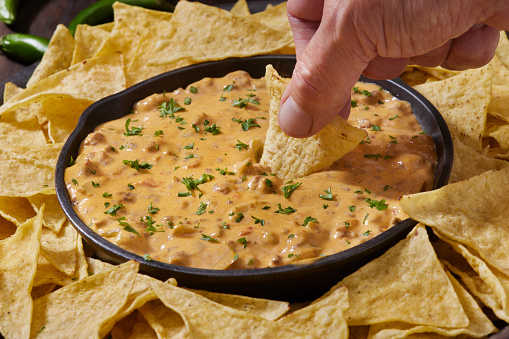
293,120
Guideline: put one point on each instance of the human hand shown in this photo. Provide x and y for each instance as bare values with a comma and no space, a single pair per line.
338,40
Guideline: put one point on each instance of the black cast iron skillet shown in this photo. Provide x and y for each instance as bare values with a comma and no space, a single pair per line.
292,282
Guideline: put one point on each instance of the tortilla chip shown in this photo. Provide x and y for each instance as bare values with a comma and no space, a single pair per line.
406,284
41,291
163,320
18,262
293,157
63,115
134,326
498,130
95,300
413,77
106,26
54,217
473,212
199,313
502,51
203,43
479,326
16,210
27,133
499,105
60,248
88,40
438,73
323,319
240,8
489,285
57,57
23,178
90,80
7,228
463,102
265,308
275,17
499,73
468,162
11,90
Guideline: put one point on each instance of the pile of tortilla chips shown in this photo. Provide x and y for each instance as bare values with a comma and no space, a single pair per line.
418,288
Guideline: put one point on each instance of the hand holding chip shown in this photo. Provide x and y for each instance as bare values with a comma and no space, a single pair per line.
337,41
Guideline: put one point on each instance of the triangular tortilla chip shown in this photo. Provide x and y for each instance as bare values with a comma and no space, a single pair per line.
468,162
54,217
294,157
479,326
240,8
83,308
60,248
463,101
90,80
488,284
406,284
18,262
473,212
57,57
323,319
199,313
203,42
16,210
88,40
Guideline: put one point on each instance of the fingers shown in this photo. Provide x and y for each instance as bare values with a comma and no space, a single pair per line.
434,57
304,17
320,86
381,68
473,49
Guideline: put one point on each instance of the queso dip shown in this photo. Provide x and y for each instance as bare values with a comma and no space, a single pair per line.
178,179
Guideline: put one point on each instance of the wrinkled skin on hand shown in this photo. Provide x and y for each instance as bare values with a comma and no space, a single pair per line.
338,40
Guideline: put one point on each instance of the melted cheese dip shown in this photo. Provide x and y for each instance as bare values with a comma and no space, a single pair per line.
178,179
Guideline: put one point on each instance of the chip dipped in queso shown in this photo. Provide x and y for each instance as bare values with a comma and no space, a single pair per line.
179,179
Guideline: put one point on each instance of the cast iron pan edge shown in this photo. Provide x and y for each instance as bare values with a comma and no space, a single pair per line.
291,282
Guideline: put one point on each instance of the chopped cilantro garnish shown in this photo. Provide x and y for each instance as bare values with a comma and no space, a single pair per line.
71,162
208,238
287,210
136,164
169,108
266,208
107,195
375,128
240,145
152,210
239,218
201,209
308,220
353,103
187,101
394,117
193,89
229,87
158,133
258,221
130,186
376,156
386,187
95,184
268,182
243,241
241,103
379,205
190,146
213,129
327,195
75,182
113,210
366,233
250,123
225,171
325,206
288,189
146,257
291,236
352,208
190,156
133,130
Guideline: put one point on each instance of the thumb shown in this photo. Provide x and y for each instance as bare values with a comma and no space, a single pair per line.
326,70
